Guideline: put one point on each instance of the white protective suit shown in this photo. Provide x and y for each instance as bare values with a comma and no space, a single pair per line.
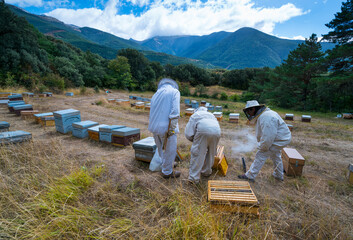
204,131
272,135
165,105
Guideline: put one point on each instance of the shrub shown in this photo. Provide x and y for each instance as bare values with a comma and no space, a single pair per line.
215,95
234,98
96,89
83,90
54,82
223,96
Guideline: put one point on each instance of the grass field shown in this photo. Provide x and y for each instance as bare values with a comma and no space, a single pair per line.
61,187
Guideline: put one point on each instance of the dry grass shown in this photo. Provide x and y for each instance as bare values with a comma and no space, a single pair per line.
61,187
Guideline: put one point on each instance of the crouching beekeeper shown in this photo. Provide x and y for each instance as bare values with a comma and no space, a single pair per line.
204,132
272,134
163,123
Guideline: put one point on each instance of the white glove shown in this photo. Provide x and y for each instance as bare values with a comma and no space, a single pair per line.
172,126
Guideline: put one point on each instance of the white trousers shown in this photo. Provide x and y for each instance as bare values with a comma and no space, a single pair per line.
260,158
169,154
203,151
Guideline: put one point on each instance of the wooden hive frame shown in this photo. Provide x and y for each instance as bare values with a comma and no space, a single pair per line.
220,161
232,196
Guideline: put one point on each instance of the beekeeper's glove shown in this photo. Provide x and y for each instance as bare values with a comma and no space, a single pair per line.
172,126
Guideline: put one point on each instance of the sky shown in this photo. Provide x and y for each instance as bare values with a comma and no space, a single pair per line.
143,19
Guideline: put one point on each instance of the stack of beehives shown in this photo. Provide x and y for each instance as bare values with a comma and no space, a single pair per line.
145,149
234,117
218,115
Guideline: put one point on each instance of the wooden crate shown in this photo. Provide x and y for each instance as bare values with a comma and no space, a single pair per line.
232,196
293,162
220,161
122,141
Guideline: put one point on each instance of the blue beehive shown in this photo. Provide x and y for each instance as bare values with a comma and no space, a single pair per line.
125,136
18,108
145,149
14,137
210,108
4,126
218,109
49,94
15,97
139,98
187,101
105,132
194,104
17,102
131,97
27,94
93,132
70,94
65,118
80,129
4,102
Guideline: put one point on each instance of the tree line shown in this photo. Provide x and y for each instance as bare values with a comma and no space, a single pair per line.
308,79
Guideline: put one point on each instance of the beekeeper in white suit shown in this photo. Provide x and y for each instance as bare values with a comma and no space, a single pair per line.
164,112
272,134
204,132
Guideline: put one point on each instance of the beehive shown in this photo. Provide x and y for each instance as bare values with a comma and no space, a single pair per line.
232,196
125,136
18,108
220,162
41,95
123,102
347,115
350,173
218,115
139,105
290,126
39,115
14,137
148,106
293,162
144,149
28,114
138,98
306,118
65,118
80,129
105,132
131,97
69,94
194,104
234,117
47,121
187,101
289,116
5,94
27,94
218,108
48,94
210,108
189,111
4,102
4,126
93,132
11,104
15,97
203,103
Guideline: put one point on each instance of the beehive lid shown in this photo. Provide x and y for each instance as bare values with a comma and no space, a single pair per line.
4,124
139,103
217,114
69,94
293,156
126,131
15,96
14,103
306,116
24,106
12,134
48,93
66,113
193,101
290,115
43,114
233,115
47,118
5,93
96,128
110,128
146,143
190,110
148,104
117,100
84,124
4,102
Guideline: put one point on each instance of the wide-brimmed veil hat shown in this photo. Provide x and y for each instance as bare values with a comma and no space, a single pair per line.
168,81
252,103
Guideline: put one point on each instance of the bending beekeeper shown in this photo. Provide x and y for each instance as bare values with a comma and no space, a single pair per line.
204,132
272,135
163,123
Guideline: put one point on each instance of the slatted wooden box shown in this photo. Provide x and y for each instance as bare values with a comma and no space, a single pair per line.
93,132
37,117
69,94
14,137
306,118
189,111
232,196
47,121
4,126
11,104
15,97
218,115
105,132
18,108
139,105
125,136
144,149
289,116
65,118
234,117
293,162
220,161
350,173
28,114
80,129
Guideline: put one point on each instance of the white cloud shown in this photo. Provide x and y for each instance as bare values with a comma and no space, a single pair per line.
26,3
294,38
179,17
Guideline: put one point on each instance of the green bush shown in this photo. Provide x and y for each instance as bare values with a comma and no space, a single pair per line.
215,95
54,82
224,96
234,98
83,90
96,89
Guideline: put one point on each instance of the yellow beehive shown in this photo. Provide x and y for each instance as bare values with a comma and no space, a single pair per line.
47,121
232,196
139,105
189,111
220,161
28,114
218,115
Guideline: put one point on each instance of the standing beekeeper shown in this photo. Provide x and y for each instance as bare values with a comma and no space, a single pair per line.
272,135
204,132
163,123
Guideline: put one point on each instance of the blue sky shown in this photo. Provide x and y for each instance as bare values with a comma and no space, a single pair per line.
142,19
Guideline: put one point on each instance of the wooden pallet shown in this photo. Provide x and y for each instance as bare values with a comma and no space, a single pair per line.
220,161
232,196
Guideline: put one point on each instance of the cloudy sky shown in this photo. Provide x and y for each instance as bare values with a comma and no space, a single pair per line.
142,19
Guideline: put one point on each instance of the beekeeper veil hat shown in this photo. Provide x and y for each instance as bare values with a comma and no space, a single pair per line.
168,81
254,104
